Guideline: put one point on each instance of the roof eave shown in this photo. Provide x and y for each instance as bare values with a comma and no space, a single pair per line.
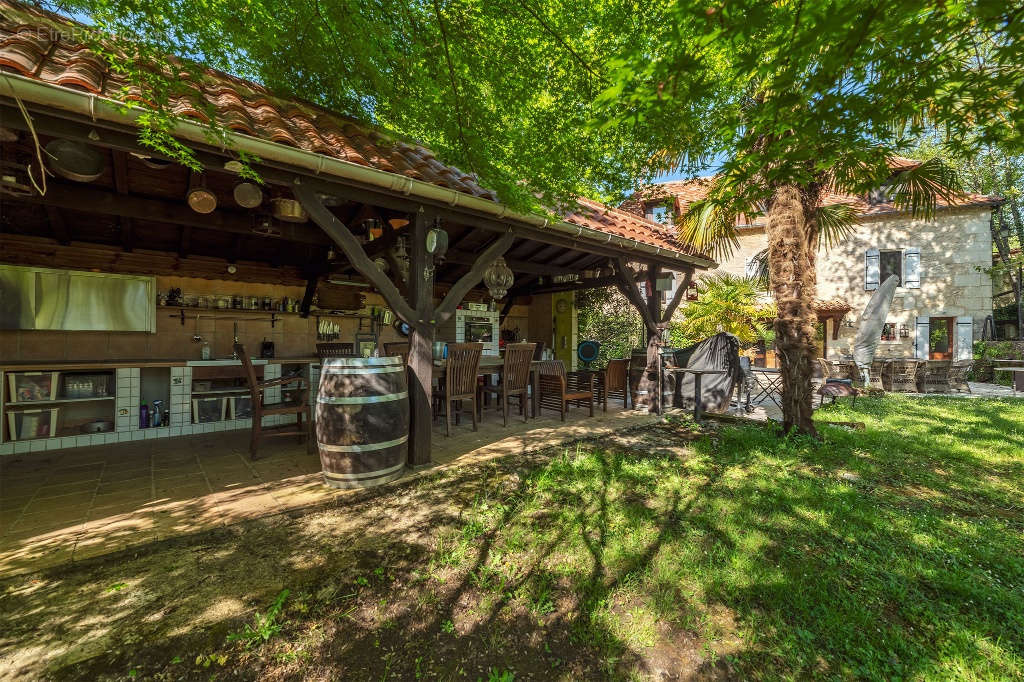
98,107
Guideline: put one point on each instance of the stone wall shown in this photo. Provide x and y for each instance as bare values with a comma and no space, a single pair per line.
956,252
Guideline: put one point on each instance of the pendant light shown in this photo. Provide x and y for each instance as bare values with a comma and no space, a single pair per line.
498,278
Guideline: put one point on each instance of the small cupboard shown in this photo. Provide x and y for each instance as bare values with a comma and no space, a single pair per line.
49,404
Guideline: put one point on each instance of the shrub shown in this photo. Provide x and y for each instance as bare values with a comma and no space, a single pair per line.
987,351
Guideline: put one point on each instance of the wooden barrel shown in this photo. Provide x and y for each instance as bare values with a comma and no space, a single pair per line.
362,420
637,369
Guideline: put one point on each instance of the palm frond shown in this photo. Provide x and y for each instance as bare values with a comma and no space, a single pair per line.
919,189
711,228
836,222
761,272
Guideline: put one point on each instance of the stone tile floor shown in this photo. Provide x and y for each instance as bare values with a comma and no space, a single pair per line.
69,505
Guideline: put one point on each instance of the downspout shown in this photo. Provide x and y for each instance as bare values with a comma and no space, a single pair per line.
96,108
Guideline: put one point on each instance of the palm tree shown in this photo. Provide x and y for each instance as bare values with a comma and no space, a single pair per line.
798,224
727,303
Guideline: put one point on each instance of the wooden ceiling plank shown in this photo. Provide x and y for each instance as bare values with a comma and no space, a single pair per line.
57,224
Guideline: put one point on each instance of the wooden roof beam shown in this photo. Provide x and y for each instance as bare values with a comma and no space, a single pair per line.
93,200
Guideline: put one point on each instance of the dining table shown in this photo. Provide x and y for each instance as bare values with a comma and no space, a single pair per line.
1017,376
494,364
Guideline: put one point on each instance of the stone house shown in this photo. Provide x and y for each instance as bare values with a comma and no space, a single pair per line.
945,292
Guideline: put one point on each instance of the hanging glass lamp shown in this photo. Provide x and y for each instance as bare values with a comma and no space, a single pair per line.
498,278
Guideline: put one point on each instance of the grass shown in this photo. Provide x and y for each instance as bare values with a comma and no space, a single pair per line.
889,553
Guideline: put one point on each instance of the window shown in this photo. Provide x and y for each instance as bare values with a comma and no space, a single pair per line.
890,331
658,213
890,263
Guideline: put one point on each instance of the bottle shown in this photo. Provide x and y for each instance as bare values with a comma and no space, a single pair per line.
143,416
205,352
156,413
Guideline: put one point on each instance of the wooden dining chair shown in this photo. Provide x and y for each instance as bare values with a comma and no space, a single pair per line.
460,380
335,350
558,389
515,379
299,405
397,348
614,382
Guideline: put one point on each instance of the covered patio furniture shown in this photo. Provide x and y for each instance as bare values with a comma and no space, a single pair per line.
746,384
335,350
299,405
558,388
958,372
460,381
934,377
721,351
515,380
613,382
903,374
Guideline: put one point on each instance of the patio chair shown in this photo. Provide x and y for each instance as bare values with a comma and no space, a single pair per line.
875,374
335,350
460,381
613,382
558,388
958,372
299,405
903,375
397,348
515,380
934,377
846,369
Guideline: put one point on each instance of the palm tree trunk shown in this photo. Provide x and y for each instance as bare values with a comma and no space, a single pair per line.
791,236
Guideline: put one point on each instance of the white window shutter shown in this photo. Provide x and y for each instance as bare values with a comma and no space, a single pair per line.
964,349
871,269
912,267
921,338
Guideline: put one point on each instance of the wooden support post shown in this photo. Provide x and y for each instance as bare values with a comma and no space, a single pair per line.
630,290
307,297
421,338
654,341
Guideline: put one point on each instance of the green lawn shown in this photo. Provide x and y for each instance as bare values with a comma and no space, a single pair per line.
896,552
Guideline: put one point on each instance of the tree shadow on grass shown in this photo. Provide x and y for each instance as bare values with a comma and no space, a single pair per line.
746,557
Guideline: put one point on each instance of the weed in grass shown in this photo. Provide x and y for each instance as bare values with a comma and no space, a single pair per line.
448,626
495,675
265,625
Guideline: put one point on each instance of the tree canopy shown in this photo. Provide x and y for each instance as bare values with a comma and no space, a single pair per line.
556,99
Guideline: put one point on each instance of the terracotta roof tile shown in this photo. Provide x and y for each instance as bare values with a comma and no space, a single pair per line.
685,192
832,305
30,46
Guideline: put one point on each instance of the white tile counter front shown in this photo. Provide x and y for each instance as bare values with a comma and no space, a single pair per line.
129,396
